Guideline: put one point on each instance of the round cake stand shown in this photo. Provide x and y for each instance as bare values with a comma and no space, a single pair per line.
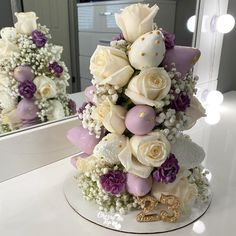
123,223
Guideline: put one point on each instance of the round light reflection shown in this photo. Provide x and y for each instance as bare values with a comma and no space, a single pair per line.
225,23
199,227
213,116
214,98
191,23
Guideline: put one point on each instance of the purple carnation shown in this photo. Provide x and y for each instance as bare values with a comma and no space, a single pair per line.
113,182
27,89
180,102
72,106
56,69
39,38
169,39
119,37
167,172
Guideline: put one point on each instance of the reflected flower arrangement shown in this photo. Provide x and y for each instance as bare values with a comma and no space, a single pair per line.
33,79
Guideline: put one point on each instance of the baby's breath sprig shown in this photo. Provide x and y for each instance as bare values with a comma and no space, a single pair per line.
198,176
89,183
44,108
107,91
93,125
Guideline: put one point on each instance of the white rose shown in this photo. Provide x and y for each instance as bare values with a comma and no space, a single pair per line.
151,149
6,100
7,49
4,81
57,111
110,147
26,22
181,188
135,20
194,112
143,153
110,66
8,34
46,87
11,118
112,116
131,164
149,87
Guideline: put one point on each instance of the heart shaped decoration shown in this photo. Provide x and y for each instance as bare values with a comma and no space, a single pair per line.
184,59
147,51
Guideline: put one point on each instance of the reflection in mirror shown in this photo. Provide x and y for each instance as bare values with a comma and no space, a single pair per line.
34,77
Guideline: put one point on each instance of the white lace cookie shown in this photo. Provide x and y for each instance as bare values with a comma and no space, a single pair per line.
188,153
109,147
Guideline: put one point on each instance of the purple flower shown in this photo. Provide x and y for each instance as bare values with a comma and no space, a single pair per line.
180,102
39,38
56,69
72,106
113,182
27,89
169,39
167,172
119,37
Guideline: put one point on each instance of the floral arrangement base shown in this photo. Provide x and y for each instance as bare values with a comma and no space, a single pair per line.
125,223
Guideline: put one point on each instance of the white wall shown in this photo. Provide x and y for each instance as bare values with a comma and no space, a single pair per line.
227,74
210,44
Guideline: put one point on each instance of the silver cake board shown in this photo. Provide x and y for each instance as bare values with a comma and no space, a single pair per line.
89,210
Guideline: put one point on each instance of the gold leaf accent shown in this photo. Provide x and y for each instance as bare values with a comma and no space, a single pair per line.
150,203
142,114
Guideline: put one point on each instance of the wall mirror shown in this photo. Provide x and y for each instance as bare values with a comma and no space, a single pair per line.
79,26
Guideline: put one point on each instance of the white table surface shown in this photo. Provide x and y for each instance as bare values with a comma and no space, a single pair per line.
25,150
33,204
